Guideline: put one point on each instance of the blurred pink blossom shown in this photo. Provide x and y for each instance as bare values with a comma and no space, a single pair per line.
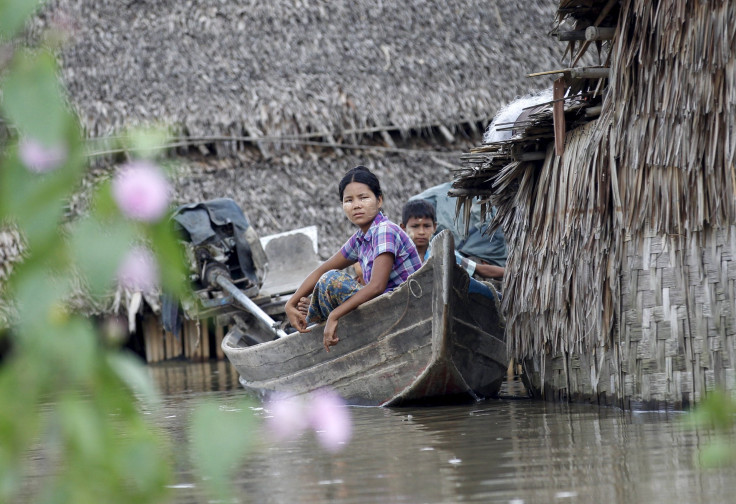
139,270
141,190
330,419
324,411
288,417
39,158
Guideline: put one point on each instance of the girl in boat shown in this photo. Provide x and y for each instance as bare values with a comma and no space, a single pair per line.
386,255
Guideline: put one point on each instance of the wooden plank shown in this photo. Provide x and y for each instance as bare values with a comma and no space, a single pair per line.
219,335
201,327
149,335
157,342
178,340
558,114
186,343
195,339
168,345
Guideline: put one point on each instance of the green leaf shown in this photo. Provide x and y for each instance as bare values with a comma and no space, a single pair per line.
13,15
75,350
148,142
39,294
103,205
19,417
32,98
147,473
220,441
98,247
132,372
36,202
717,410
83,428
718,453
170,255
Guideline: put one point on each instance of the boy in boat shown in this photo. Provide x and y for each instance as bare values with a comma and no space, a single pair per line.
474,241
419,221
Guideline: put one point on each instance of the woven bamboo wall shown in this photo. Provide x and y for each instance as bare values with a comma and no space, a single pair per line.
676,332
679,324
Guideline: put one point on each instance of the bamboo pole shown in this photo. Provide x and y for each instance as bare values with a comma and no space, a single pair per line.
590,73
571,35
599,33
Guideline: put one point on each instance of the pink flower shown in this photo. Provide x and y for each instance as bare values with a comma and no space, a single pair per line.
141,190
330,418
288,417
39,158
324,411
139,270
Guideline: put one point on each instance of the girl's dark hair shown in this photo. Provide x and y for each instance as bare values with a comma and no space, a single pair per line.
418,209
364,176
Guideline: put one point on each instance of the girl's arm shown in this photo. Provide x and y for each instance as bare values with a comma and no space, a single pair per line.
382,266
297,319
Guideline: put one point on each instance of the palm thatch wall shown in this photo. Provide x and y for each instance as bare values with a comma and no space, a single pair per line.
620,285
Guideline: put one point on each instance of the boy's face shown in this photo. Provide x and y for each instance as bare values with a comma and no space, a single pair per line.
420,230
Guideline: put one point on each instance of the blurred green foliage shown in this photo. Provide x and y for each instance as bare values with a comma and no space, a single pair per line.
62,385
716,414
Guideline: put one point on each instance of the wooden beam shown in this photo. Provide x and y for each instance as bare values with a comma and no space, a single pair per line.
558,114
530,156
599,19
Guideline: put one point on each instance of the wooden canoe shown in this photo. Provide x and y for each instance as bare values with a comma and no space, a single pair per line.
428,341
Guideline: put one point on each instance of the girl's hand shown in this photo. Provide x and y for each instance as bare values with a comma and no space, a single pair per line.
330,334
296,318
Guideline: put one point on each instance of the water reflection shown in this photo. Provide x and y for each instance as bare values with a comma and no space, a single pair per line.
507,451
181,379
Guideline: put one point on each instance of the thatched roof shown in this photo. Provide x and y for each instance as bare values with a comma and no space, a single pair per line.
648,152
244,68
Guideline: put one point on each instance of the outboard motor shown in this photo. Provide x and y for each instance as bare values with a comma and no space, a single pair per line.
226,255
220,236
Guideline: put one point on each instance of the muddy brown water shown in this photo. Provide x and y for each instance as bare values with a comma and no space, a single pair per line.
513,451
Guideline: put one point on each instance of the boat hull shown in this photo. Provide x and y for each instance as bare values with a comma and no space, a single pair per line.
428,341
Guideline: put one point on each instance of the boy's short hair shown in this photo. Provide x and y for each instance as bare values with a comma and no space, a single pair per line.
418,209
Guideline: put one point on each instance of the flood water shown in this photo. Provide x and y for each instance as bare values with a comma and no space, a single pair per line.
507,451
